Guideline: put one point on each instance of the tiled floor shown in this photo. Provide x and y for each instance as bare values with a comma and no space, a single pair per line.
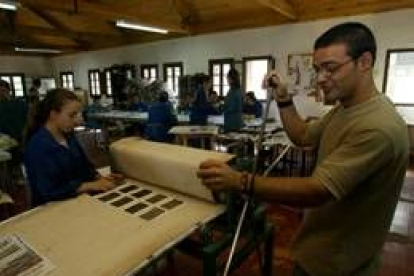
398,252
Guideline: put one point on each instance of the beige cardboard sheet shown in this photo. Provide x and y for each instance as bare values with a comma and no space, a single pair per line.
170,166
88,237
117,232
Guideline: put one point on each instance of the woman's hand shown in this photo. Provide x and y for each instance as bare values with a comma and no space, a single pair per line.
102,184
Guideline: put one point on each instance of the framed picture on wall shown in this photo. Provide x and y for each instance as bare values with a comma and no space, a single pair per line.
302,76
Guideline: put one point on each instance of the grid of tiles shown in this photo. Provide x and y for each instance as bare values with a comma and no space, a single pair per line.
140,201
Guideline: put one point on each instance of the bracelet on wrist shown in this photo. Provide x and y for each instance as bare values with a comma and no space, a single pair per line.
246,184
281,105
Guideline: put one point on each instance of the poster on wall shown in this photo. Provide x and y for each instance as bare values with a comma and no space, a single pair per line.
302,76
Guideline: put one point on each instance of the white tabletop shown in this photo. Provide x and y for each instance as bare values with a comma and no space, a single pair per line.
194,130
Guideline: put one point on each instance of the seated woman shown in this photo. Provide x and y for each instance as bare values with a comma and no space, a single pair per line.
160,119
252,106
57,167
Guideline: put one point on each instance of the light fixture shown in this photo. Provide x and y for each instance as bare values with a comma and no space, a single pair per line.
129,25
37,50
8,5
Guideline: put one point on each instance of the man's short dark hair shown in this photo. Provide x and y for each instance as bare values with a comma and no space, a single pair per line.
356,36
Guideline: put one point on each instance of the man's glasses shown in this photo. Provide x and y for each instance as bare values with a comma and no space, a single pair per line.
330,69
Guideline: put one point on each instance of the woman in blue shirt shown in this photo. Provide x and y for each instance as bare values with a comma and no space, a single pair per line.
200,107
57,168
233,103
160,119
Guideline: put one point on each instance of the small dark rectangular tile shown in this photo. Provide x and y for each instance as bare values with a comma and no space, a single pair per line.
152,214
141,193
109,197
171,204
128,189
136,208
121,201
156,198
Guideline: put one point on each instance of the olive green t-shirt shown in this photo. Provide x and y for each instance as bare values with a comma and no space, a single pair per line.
362,160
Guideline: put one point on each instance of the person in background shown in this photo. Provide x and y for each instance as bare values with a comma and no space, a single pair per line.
33,95
215,105
362,157
5,95
13,113
185,104
252,106
137,105
233,103
57,167
200,105
160,119
90,109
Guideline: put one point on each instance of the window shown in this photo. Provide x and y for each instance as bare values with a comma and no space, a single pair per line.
172,73
94,83
149,72
17,85
255,68
218,69
108,82
399,76
67,80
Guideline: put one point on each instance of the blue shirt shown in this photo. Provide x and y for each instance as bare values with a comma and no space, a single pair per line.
255,109
55,171
233,106
199,108
160,120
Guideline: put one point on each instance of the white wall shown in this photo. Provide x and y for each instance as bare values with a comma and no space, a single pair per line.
392,30
30,66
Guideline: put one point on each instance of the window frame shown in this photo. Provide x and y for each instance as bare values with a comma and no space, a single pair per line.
12,86
149,67
173,65
66,74
270,65
106,84
221,62
387,69
99,84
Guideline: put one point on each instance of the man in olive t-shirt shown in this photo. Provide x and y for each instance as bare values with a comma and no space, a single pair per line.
362,146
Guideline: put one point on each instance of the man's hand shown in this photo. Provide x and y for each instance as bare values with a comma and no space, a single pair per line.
272,81
218,176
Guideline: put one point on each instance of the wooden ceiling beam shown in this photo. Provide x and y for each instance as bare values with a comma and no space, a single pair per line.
109,12
282,7
67,32
26,30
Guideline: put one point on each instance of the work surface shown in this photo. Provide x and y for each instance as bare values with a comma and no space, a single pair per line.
107,234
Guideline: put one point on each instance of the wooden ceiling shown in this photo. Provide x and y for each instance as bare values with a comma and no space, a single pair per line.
81,25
